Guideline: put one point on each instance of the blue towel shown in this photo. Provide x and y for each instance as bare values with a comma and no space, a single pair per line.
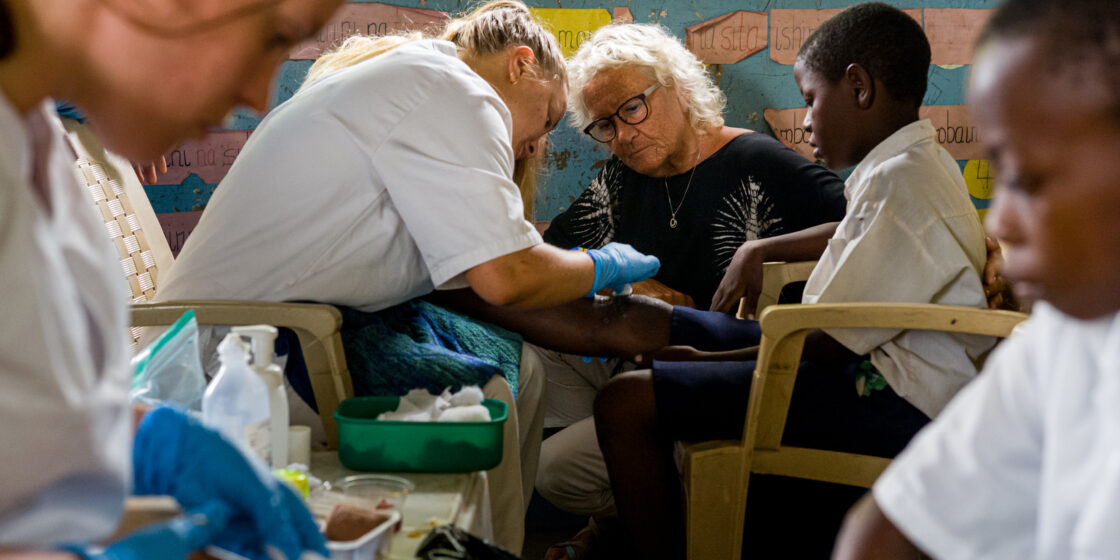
420,345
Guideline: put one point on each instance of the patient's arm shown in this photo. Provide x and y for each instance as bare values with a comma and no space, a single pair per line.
623,327
867,534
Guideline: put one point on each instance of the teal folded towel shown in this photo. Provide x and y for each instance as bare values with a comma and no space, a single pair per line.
421,345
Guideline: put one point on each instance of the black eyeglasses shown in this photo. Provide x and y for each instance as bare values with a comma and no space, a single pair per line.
632,111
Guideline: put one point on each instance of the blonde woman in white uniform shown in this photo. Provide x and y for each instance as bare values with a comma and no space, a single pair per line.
389,175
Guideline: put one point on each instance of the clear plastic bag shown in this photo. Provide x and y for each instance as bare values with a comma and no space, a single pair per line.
169,369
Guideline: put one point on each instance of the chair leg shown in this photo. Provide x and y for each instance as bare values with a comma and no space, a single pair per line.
713,511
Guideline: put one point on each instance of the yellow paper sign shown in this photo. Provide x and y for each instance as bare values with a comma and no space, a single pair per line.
978,178
572,27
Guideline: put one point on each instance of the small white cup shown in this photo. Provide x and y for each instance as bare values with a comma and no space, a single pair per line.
299,445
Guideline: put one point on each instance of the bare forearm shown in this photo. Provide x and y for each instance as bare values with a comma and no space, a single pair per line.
624,327
867,534
805,245
539,276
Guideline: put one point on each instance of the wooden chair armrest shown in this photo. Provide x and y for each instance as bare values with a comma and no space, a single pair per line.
777,321
316,325
775,276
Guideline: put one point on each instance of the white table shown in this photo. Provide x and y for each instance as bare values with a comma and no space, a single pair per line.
439,499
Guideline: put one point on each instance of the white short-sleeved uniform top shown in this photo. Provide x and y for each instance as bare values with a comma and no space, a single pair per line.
65,421
371,187
1025,462
910,234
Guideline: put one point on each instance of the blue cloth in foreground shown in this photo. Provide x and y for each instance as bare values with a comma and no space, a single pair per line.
420,345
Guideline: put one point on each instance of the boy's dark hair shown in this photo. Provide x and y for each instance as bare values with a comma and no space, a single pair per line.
1077,35
882,39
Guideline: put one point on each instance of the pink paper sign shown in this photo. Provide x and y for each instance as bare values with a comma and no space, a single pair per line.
367,19
177,226
790,28
622,15
786,124
952,32
729,38
209,157
955,130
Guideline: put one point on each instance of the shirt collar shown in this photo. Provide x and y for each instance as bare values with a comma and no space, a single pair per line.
902,139
15,142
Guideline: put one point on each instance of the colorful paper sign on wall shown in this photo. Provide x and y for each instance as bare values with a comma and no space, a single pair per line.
622,15
572,27
786,124
367,19
209,158
952,32
955,130
729,38
978,178
790,28
177,226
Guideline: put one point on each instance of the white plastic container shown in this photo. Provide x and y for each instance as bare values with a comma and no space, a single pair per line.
373,545
263,339
236,401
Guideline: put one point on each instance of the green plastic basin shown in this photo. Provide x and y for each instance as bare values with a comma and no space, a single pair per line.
368,444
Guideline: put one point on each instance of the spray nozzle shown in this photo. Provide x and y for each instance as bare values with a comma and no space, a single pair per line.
233,348
263,339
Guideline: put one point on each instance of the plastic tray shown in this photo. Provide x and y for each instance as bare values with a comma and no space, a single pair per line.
368,444
373,545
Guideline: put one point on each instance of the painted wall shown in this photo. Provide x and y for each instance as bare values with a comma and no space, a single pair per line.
750,44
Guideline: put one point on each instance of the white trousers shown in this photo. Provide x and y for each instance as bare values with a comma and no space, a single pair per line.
511,482
572,473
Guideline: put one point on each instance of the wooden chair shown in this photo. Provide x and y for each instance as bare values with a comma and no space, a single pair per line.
144,252
775,276
715,474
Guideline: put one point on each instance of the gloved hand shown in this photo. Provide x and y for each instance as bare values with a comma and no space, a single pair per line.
176,455
618,264
175,538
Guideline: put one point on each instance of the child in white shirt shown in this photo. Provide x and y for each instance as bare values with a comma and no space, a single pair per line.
1025,462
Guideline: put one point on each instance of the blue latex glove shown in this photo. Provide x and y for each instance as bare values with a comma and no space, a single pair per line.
618,264
170,539
176,455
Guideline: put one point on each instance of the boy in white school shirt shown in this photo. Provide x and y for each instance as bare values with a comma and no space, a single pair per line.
1025,462
910,234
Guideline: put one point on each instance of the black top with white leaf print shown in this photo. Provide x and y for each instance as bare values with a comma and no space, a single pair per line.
753,187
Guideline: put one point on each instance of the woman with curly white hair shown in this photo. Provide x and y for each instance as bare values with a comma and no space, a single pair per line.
680,185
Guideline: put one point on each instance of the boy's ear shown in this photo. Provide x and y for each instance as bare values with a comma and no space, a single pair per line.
861,85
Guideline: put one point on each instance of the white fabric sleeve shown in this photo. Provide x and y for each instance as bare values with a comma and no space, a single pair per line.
448,168
967,486
890,262
65,423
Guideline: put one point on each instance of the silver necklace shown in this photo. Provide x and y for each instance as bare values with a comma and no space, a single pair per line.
673,211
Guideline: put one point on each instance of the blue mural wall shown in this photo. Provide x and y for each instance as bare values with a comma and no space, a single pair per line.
752,85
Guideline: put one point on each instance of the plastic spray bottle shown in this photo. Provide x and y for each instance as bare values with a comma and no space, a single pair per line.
236,401
263,339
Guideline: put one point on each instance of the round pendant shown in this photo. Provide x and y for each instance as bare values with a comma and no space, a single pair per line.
673,223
